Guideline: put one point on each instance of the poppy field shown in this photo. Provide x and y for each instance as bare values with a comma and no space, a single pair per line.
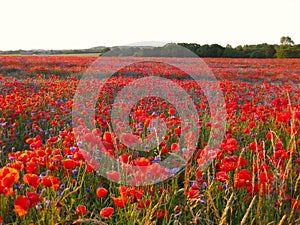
251,177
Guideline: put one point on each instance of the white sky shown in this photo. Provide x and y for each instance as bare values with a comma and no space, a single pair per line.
66,24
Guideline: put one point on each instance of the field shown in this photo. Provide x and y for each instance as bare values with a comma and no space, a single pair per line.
244,167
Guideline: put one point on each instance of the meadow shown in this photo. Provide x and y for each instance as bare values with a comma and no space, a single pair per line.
252,177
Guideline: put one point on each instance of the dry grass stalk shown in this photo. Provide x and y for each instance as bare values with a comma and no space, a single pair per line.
248,211
224,214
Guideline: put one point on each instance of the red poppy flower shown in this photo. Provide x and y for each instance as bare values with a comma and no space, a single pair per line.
101,192
177,130
242,178
125,191
172,111
106,212
246,130
192,193
164,149
232,162
254,146
31,179
251,124
33,198
125,157
270,135
296,203
174,147
266,177
120,201
177,209
222,176
68,163
50,181
161,213
142,161
107,137
143,204
8,176
21,205
229,145
81,210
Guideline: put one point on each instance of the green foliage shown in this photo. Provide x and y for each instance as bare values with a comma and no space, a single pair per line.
286,40
286,49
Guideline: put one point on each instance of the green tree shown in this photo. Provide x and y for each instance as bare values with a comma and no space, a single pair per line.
286,40
268,50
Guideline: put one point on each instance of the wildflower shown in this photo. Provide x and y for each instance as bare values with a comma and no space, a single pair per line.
296,203
222,176
177,209
242,178
33,198
101,192
72,148
192,194
81,210
266,177
108,137
161,213
203,201
106,212
120,201
143,204
142,162
68,163
47,202
174,146
21,205
51,181
31,179
156,159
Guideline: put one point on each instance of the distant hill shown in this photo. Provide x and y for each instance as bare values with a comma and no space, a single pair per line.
94,50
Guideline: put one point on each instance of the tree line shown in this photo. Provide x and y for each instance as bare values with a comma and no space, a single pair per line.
286,49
